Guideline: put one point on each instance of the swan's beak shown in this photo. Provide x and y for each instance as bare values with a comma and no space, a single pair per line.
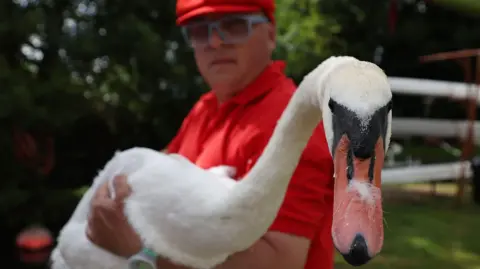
357,228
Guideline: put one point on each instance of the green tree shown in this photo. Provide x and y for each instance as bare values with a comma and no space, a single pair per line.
305,35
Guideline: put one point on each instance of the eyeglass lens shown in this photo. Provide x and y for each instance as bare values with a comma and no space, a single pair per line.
230,29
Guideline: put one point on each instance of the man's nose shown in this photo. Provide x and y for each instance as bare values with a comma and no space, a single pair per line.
215,40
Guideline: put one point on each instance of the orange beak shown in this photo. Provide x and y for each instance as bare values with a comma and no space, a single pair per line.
357,228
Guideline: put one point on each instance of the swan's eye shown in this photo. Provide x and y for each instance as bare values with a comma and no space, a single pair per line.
331,105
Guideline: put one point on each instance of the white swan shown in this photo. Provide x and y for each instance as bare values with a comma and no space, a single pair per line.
197,218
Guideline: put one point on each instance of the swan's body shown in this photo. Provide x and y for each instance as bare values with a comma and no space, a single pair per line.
197,217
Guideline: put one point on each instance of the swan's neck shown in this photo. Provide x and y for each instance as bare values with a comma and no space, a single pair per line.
269,178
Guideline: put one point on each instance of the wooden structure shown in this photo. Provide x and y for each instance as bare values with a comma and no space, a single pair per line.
469,60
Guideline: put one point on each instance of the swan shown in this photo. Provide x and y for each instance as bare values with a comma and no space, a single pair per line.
197,218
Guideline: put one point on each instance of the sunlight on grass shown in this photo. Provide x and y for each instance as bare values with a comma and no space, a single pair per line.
428,246
446,189
465,256
427,232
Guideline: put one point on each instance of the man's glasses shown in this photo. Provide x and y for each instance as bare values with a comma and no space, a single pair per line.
231,29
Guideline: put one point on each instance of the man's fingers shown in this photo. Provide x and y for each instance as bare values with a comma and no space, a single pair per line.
122,189
102,192
89,234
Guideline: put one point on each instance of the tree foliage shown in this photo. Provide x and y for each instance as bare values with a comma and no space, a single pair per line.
305,35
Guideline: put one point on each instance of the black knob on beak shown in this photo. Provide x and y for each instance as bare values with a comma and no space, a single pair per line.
358,254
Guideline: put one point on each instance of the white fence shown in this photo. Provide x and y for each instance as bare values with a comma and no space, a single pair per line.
429,172
404,127
437,88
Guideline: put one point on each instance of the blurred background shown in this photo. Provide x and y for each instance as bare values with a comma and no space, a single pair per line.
80,79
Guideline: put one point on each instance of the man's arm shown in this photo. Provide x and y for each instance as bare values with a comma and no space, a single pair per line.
275,250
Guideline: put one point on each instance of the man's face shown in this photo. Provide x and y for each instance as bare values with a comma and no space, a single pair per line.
231,49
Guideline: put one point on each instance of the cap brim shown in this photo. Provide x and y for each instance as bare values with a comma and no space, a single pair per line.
215,9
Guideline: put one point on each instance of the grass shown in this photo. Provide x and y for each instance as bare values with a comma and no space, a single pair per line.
426,231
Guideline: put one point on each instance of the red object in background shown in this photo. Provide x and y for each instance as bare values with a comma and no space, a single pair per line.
34,244
27,150
392,16
34,238
24,145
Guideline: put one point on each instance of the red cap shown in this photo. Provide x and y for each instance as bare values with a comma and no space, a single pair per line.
187,9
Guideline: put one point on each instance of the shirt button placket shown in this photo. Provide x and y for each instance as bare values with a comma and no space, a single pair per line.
216,121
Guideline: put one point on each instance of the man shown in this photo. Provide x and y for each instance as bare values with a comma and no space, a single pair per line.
233,42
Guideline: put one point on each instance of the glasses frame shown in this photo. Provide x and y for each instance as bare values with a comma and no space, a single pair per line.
251,20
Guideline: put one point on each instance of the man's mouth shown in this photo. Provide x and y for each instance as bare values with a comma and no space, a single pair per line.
223,61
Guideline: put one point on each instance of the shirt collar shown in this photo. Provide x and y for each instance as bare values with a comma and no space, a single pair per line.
257,88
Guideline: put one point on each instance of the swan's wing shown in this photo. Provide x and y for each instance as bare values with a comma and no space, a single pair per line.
66,237
57,261
75,251
221,170
224,171
171,208
83,208
178,157
73,245
119,164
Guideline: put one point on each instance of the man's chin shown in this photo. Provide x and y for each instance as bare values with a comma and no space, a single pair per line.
223,72
222,81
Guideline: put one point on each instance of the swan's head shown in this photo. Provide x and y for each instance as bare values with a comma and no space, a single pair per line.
356,106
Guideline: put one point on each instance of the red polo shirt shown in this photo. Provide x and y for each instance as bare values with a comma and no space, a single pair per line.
236,132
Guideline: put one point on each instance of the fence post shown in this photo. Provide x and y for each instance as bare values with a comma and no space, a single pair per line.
476,180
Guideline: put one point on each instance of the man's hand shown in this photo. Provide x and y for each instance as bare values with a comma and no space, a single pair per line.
108,227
